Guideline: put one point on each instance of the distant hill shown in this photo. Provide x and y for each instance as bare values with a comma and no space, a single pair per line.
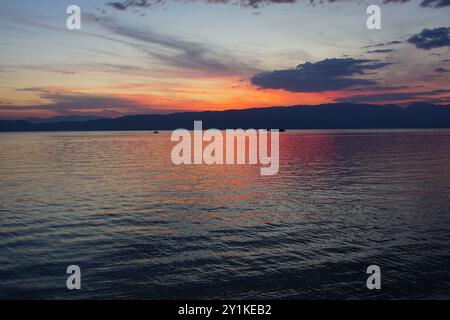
325,116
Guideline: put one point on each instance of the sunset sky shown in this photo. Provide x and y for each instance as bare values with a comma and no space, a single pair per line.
138,57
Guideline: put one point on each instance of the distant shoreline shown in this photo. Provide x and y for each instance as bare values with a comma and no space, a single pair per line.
325,116
324,130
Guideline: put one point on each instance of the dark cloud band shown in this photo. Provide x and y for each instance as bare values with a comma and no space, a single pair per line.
431,38
326,75
124,5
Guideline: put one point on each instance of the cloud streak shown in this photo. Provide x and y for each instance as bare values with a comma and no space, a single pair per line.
441,70
398,96
64,103
176,51
380,51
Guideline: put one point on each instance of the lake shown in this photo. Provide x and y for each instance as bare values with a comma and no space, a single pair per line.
140,227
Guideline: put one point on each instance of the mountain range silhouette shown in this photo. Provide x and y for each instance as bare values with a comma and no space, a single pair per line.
325,116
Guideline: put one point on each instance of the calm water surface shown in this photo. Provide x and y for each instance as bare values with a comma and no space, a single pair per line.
140,227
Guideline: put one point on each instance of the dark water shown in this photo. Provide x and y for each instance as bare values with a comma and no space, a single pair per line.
140,227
